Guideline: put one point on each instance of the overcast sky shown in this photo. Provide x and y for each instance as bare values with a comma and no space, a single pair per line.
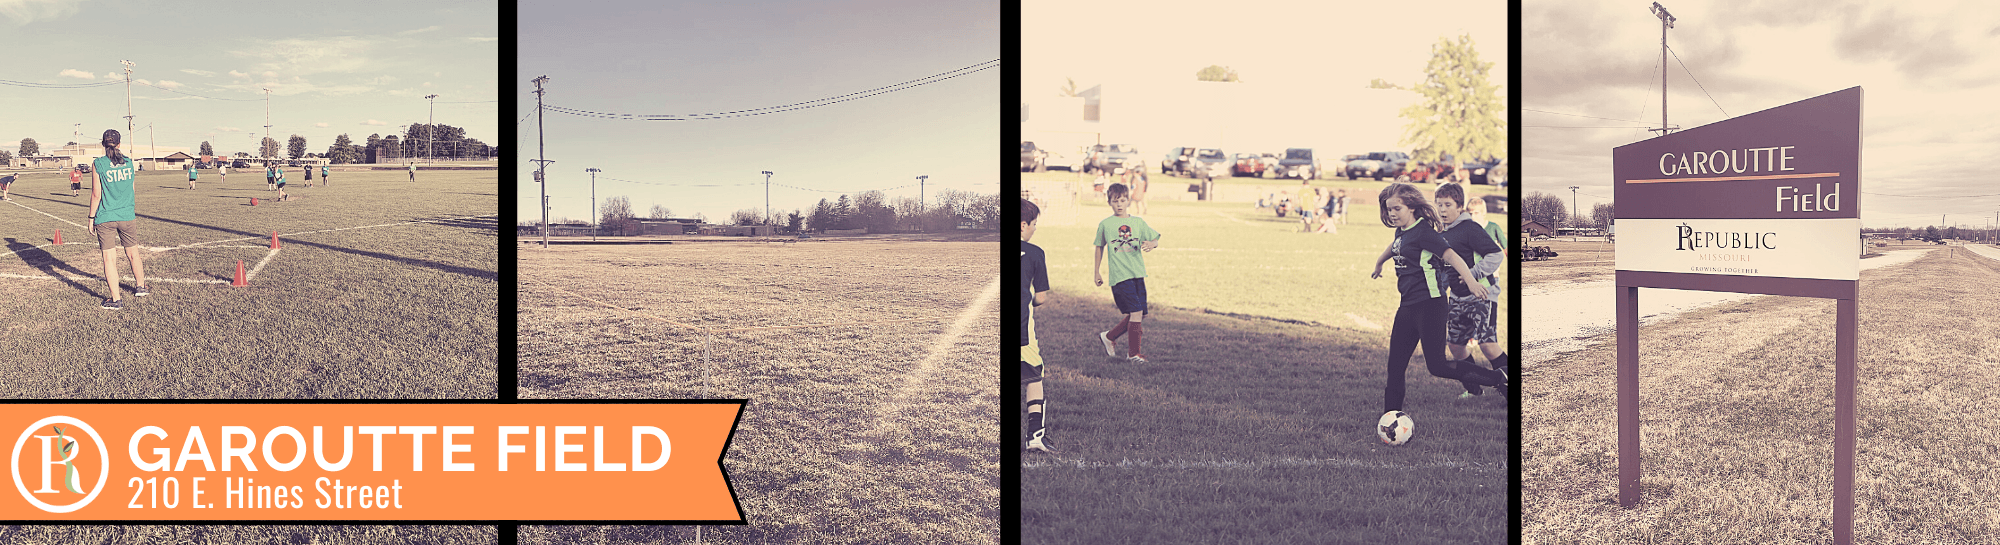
1304,66
1930,72
634,57
357,68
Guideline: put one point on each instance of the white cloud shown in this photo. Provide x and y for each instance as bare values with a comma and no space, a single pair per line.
379,80
270,74
374,122
142,81
227,129
340,54
170,84
424,29
28,11
74,73
427,84
238,74
480,39
321,125
114,76
203,73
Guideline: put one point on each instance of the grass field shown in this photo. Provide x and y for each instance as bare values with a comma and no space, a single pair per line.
219,535
1253,422
1737,434
381,289
867,433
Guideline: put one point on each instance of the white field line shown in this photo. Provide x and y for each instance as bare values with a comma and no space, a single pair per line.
1276,463
285,235
260,266
94,279
939,348
18,203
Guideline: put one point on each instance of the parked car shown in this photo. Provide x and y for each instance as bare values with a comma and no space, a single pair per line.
1108,158
1498,174
1176,160
1248,164
1033,159
1378,165
1298,163
1211,162
1477,170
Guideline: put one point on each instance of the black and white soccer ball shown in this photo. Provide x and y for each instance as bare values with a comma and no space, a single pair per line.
1395,428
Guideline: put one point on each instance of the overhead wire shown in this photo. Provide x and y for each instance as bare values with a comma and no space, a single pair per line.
57,85
911,84
1697,81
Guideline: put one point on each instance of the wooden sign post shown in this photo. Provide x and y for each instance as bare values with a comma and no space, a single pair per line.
1766,203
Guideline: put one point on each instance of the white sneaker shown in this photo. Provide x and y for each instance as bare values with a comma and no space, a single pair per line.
1109,348
1040,442
1135,359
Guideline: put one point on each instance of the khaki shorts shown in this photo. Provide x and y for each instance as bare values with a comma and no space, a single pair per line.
110,233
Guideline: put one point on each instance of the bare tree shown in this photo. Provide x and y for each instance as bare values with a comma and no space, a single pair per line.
1545,208
1603,214
747,216
617,212
660,213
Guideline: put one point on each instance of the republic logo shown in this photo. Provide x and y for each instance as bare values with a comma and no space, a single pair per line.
58,447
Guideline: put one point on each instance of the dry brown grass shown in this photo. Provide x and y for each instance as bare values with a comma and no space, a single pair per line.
1737,411
1582,260
861,434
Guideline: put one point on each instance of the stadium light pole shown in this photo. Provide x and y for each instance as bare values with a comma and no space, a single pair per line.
1572,201
593,202
767,198
128,95
267,121
151,146
542,164
434,130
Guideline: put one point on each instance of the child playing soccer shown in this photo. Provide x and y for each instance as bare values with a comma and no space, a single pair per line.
325,178
1126,235
111,214
413,171
1419,249
191,176
75,180
281,185
309,175
1034,283
223,171
1471,316
6,185
1496,356
271,177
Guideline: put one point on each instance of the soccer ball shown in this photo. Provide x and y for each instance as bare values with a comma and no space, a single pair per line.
1395,428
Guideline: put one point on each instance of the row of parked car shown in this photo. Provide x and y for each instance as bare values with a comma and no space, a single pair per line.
1294,163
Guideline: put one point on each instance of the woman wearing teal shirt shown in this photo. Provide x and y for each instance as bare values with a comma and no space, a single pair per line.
111,214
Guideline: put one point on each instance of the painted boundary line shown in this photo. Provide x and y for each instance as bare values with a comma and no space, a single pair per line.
212,244
1278,463
939,348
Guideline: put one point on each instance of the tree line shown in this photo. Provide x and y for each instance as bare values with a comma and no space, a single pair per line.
871,210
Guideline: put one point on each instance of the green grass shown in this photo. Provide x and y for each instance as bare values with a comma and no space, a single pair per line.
229,535
1253,423
358,303
881,433
1737,411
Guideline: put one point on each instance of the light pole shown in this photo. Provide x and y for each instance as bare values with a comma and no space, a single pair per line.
767,197
593,202
128,95
267,122
1572,201
434,130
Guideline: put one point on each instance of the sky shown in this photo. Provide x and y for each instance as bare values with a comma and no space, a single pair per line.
361,69
1304,68
649,58
1929,73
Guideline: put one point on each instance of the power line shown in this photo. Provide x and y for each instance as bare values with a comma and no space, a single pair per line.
676,185
1697,82
1575,115
1931,196
57,85
469,102
195,95
912,84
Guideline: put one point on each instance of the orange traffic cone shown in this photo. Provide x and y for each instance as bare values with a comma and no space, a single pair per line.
253,201
274,240
240,281
59,237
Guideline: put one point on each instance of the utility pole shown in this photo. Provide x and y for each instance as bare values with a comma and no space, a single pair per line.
76,136
767,197
542,164
1666,22
920,192
434,130
151,148
128,96
593,202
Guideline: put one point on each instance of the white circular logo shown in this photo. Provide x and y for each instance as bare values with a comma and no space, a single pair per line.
46,457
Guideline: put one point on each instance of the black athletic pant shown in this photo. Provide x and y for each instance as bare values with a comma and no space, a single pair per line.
1425,322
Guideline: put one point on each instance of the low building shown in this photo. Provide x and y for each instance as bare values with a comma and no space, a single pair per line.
1534,228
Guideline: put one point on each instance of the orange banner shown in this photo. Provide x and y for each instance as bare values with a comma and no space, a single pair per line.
657,461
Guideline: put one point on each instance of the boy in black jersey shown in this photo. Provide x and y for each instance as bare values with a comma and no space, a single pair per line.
1420,251
1471,316
1034,283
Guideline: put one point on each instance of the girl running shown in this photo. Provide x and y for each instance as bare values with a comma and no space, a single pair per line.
75,180
1419,249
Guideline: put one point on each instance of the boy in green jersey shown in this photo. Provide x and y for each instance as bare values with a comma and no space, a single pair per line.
1125,235
111,214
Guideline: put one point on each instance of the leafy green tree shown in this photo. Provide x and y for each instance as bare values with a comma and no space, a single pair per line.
207,149
343,151
1380,83
1931,233
1216,73
1461,111
30,148
6,158
269,148
297,146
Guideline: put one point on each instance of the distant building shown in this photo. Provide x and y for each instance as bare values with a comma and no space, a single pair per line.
1534,228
